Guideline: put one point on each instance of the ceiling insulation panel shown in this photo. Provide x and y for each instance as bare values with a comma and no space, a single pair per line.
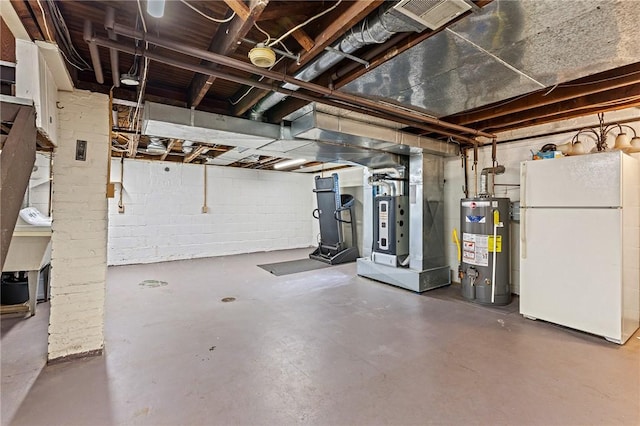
507,49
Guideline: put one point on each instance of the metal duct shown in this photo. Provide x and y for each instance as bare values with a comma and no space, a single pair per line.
199,126
372,30
343,132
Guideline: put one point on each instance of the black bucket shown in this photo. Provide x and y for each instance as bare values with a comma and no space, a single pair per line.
14,288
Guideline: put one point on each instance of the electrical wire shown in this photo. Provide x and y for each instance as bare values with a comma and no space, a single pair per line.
219,21
64,39
297,27
44,18
266,43
236,102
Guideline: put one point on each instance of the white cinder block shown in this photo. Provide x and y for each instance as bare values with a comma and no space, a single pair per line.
247,209
79,238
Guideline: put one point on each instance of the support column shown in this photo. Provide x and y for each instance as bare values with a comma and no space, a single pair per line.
80,222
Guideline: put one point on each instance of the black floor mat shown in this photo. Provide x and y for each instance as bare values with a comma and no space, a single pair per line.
293,266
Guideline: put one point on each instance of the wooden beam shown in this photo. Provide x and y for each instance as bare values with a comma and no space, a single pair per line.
582,103
16,164
300,35
302,8
607,80
7,42
224,42
356,11
239,8
172,142
25,14
44,21
196,152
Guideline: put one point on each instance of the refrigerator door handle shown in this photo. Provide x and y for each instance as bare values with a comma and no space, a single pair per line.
523,233
523,210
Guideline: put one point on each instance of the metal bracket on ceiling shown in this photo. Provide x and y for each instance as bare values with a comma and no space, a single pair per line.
347,55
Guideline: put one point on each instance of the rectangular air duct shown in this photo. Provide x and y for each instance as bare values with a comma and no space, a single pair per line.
432,13
199,126
348,132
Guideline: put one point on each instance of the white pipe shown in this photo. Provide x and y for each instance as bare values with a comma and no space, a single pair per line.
394,173
389,187
496,220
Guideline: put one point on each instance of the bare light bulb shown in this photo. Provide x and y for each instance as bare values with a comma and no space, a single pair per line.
155,8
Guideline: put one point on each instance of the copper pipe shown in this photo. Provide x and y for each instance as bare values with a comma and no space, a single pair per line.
93,50
243,66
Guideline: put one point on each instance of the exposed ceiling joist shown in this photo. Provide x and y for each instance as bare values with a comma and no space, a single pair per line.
225,42
241,9
29,20
300,35
357,11
597,83
292,9
577,106
196,153
172,142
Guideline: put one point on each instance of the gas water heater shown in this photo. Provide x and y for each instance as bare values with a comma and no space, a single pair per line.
484,267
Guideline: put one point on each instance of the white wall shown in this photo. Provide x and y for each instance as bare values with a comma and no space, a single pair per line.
79,238
510,155
249,211
39,185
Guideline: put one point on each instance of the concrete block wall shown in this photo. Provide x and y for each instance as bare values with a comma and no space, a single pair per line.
249,211
511,155
79,237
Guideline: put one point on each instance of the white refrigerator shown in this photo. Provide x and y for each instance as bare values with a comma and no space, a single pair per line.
580,243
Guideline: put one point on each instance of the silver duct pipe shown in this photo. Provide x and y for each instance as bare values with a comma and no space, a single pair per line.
383,183
394,185
484,190
372,30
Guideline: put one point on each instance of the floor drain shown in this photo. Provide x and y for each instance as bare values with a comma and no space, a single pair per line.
228,299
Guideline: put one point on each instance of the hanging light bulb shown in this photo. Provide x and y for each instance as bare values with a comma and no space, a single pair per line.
155,8
262,56
622,142
577,148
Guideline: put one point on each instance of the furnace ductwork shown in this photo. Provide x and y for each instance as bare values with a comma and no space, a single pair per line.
375,29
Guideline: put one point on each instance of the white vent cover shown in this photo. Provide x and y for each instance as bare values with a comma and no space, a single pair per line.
432,13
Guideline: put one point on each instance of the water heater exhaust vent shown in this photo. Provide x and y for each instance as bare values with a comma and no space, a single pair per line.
432,13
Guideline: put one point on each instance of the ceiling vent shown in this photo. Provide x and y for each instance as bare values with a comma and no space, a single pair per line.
432,13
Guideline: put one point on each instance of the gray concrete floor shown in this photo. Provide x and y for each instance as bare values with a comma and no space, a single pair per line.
320,347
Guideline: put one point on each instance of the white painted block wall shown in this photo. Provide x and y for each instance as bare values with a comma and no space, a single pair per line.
249,211
79,238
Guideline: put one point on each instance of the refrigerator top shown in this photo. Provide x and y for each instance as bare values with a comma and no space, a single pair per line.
589,181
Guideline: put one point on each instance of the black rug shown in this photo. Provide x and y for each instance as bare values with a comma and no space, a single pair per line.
293,266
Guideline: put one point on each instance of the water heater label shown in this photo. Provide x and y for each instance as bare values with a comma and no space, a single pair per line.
475,204
475,219
475,249
497,247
